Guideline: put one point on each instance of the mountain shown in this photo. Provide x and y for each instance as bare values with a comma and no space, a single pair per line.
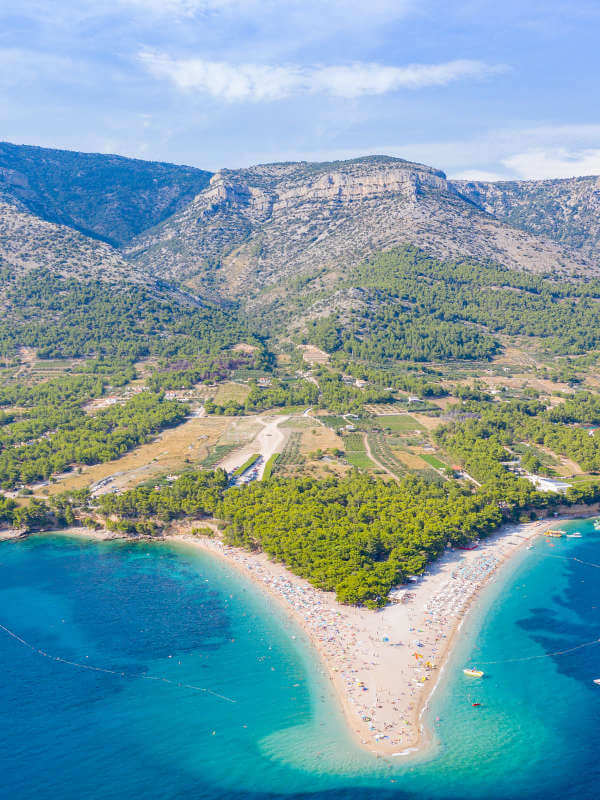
260,236
251,232
566,210
106,197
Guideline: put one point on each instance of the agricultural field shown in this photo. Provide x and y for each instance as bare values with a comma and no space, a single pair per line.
174,450
319,437
400,423
427,422
290,457
356,454
333,421
412,461
433,461
313,355
381,450
386,409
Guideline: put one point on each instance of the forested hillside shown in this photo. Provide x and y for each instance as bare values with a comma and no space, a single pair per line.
406,305
62,317
103,196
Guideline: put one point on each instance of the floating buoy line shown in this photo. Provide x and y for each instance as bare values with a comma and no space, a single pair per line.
116,672
557,652
544,655
573,558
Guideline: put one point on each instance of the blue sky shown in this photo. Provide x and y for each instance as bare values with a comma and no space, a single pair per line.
478,88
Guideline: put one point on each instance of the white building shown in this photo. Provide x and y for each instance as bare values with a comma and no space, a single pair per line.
548,484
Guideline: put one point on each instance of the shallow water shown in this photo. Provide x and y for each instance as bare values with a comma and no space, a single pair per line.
271,725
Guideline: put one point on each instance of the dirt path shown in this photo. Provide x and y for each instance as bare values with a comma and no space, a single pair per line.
376,461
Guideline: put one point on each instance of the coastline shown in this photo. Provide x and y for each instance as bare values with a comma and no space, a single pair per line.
384,665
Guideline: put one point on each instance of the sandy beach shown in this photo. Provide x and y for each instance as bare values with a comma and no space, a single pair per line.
385,664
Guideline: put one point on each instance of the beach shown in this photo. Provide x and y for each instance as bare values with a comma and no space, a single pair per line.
385,664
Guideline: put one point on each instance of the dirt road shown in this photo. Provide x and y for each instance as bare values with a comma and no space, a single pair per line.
271,439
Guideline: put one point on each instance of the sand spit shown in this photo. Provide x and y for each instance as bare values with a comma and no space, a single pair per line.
385,664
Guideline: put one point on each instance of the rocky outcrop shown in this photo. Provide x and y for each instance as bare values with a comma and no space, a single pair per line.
255,229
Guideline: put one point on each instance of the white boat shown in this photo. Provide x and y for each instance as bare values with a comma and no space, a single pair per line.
574,535
473,673
597,681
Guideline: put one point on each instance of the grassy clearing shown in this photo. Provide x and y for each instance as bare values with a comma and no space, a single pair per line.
174,450
400,423
429,423
298,423
318,437
217,453
433,461
231,392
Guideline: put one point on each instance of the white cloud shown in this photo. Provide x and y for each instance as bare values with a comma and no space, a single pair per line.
556,163
358,79
231,82
265,82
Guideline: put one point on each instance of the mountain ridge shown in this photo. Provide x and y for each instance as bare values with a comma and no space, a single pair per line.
256,228
107,197
249,235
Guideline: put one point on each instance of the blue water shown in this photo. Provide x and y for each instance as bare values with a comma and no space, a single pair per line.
272,727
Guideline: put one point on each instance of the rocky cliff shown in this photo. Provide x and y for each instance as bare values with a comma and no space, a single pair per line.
254,229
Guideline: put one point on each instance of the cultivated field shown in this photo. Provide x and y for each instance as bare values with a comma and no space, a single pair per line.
313,355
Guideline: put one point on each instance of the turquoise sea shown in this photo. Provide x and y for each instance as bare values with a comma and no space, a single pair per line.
267,725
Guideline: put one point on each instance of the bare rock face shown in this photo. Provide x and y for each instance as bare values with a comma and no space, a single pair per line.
253,229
